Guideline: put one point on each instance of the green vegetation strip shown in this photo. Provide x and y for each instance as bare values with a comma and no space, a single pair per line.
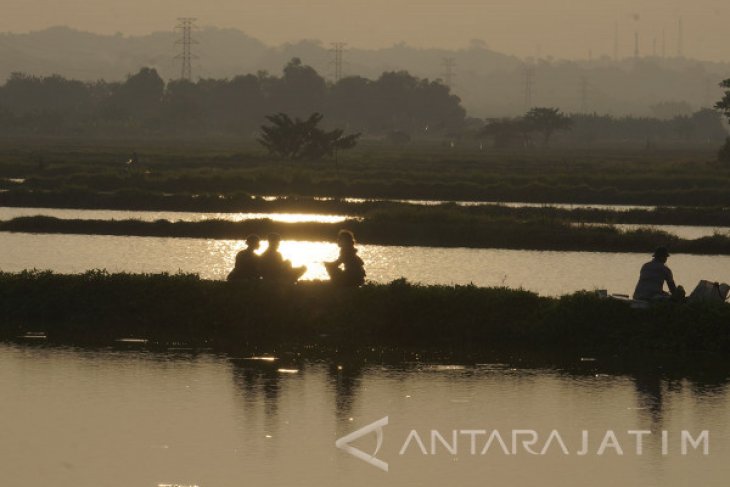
98,308
709,190
672,178
408,228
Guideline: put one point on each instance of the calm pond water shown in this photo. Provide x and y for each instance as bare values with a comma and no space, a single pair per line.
71,418
548,273
8,213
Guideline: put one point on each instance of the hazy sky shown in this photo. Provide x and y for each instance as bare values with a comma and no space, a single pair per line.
559,28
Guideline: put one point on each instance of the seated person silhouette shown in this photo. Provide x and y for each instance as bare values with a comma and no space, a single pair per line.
247,266
652,277
273,266
352,273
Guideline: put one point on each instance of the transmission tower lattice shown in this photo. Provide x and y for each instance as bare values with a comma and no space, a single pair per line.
449,64
185,27
338,51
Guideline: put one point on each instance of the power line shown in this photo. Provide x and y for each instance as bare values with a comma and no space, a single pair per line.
338,50
528,72
680,39
708,92
449,64
584,88
185,26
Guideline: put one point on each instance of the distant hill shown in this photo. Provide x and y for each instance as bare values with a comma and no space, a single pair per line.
491,84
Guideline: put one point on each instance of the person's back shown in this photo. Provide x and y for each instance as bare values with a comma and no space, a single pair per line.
651,280
246,268
354,265
274,267
353,272
247,265
272,264
652,277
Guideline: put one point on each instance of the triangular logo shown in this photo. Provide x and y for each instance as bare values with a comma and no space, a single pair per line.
376,427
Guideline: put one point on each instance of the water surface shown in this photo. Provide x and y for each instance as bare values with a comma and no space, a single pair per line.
548,273
73,418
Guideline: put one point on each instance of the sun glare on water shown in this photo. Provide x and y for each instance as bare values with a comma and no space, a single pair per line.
287,217
310,254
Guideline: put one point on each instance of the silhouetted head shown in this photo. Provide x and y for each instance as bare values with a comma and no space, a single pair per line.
253,242
274,240
661,254
345,239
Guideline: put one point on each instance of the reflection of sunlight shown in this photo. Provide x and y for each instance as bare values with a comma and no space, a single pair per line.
310,254
222,256
285,217
8,213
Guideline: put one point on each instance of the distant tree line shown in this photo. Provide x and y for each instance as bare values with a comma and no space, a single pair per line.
724,106
145,104
538,126
397,106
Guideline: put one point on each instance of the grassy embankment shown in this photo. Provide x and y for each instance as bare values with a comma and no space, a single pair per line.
537,175
200,180
98,308
431,227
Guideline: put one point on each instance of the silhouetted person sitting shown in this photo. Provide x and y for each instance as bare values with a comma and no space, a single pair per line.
652,278
274,267
247,266
352,273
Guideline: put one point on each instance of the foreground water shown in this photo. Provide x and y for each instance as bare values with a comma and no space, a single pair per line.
73,418
548,273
